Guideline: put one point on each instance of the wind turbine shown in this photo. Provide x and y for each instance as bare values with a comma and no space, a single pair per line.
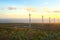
49,20
58,20
29,9
54,20
42,19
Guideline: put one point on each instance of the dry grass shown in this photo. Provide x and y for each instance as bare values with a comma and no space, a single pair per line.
17,31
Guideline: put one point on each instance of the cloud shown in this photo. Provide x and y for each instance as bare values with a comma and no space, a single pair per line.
8,8
45,9
14,16
50,10
56,11
31,9
11,8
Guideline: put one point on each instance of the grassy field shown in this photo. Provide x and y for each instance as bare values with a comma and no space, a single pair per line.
22,31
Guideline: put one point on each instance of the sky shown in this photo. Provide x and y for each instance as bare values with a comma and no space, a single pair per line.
16,9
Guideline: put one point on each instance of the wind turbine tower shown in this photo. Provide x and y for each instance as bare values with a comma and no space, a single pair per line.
29,20
49,20
42,19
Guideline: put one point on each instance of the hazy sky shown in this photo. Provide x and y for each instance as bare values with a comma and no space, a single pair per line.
18,8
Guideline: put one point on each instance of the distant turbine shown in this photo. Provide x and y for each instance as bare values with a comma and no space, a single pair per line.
42,19
58,20
29,9
54,20
49,20
29,20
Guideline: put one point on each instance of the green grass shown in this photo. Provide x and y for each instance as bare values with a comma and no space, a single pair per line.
38,32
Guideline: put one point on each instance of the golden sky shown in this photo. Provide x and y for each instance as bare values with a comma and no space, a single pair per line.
22,8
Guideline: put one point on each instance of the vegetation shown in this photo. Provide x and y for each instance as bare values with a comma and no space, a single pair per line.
44,32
